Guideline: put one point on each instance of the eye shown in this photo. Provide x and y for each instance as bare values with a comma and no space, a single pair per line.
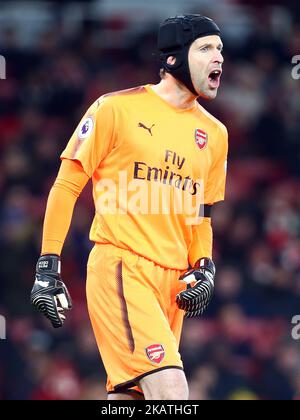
204,49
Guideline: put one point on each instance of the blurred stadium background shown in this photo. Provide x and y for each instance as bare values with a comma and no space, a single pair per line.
62,55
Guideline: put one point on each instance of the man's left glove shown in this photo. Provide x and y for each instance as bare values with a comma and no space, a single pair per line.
195,299
49,294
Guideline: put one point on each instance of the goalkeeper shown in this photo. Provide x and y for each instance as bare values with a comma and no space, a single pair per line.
149,267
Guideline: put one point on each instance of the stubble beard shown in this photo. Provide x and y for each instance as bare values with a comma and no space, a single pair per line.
207,93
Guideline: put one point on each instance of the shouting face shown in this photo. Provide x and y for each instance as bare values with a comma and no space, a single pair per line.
205,63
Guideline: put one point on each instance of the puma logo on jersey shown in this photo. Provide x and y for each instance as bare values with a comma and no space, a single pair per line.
146,128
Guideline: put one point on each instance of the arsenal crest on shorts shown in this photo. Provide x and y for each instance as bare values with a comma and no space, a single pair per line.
155,353
201,138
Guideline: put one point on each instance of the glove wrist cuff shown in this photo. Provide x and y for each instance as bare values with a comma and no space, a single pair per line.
205,263
48,263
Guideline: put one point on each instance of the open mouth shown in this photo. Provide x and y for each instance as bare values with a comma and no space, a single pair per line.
214,78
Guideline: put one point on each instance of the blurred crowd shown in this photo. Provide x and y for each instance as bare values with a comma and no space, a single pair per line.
243,347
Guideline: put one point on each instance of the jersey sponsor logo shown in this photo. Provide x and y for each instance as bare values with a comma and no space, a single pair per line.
201,138
141,125
165,176
155,353
86,127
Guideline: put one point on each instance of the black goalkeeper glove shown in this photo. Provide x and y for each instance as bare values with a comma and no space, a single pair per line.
49,294
195,299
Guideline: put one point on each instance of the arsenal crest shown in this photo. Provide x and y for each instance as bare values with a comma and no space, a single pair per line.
201,138
155,353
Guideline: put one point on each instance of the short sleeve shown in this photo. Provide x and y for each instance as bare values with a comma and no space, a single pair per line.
94,136
215,186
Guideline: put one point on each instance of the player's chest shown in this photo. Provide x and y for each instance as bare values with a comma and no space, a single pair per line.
176,143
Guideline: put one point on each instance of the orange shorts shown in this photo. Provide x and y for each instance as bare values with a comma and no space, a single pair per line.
136,322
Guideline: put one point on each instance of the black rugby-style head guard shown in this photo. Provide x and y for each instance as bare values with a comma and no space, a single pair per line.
175,37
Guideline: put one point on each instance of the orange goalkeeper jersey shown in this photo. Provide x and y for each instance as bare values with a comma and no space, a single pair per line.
153,167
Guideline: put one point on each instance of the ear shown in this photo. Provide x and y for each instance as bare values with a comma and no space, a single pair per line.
171,60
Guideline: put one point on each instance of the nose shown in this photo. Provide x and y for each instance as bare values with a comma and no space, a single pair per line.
218,57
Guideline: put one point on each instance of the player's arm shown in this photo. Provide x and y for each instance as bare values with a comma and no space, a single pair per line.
90,143
200,278
49,294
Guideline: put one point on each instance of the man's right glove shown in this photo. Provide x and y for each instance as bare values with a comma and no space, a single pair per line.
195,299
49,294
